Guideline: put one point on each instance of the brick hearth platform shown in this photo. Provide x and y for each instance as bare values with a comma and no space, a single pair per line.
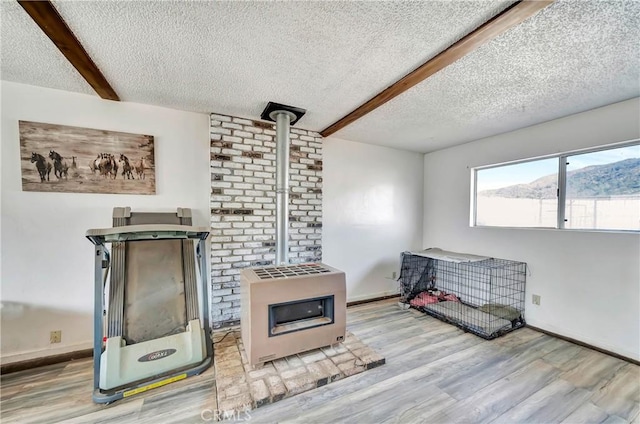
241,388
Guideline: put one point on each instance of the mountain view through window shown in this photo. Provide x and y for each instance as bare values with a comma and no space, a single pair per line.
602,191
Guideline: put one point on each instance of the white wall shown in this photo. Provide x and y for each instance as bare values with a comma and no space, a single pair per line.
372,211
372,201
47,263
589,281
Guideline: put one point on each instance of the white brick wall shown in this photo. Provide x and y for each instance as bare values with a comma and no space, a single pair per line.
243,204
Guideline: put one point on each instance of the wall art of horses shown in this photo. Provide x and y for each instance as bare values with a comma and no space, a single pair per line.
69,159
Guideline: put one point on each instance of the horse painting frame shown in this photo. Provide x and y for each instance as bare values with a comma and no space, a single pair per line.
62,158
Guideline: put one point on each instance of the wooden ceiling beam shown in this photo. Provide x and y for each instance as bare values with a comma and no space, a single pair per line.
51,23
507,19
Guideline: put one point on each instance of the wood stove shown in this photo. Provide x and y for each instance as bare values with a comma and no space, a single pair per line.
291,309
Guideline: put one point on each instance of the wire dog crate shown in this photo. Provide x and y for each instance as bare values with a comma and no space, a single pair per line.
485,296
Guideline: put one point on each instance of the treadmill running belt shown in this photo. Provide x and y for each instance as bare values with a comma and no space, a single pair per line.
154,296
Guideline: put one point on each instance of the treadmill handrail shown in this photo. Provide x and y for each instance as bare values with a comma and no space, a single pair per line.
100,236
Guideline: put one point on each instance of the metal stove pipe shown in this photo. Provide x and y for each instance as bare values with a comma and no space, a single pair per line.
284,116
283,120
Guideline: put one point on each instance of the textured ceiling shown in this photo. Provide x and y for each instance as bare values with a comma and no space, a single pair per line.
28,56
570,57
330,57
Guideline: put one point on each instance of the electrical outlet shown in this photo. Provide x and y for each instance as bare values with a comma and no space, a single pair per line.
535,299
56,336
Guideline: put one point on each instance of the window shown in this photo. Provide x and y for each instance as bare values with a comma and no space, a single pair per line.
603,190
520,195
593,190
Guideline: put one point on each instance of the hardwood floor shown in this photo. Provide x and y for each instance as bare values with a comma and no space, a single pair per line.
435,373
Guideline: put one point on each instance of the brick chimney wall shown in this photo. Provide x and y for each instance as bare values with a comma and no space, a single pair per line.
243,204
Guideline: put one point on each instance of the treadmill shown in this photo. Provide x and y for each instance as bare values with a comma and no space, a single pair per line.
151,316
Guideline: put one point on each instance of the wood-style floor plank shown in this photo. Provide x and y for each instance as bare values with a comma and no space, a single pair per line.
586,413
620,395
493,400
503,363
593,371
434,373
551,404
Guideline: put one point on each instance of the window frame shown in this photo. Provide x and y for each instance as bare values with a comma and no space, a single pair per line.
562,159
